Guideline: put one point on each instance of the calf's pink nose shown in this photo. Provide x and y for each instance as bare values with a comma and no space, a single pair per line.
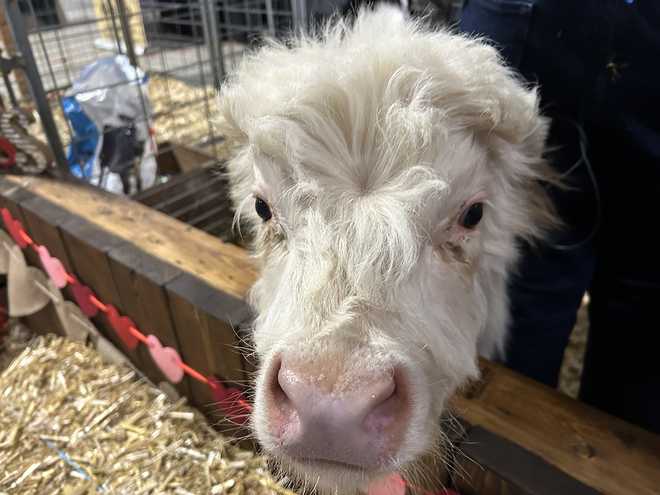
325,416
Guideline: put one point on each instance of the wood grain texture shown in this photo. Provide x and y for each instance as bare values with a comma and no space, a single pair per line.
88,247
603,452
140,279
493,465
222,266
205,320
128,254
43,219
167,191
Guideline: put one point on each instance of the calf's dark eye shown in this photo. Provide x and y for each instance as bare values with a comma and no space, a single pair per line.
472,216
262,209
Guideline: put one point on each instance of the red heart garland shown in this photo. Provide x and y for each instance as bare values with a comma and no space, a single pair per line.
231,401
121,325
166,358
53,267
82,293
14,228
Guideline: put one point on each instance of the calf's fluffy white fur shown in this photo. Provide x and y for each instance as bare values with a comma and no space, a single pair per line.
368,140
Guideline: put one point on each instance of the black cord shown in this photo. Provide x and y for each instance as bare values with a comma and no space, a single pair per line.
584,160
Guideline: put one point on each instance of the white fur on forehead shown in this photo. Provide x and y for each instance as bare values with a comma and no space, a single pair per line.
354,106
382,117
381,61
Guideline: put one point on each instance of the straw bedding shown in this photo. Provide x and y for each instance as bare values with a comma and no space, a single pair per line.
71,423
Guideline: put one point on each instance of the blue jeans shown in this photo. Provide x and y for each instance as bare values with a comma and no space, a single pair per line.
598,66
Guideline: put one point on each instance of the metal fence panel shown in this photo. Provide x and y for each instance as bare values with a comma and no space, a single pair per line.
185,46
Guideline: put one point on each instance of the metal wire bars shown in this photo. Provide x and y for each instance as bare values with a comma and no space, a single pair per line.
185,46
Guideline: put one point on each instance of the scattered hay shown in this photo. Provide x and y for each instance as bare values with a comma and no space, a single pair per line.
72,424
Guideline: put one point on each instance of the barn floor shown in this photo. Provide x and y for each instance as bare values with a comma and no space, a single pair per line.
98,428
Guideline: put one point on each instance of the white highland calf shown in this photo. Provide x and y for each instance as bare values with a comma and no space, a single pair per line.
389,172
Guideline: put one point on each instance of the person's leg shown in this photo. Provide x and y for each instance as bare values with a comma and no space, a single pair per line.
621,374
545,297
621,370
551,281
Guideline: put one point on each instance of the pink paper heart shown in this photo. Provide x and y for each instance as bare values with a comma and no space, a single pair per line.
14,228
231,401
82,293
166,358
393,484
54,267
121,325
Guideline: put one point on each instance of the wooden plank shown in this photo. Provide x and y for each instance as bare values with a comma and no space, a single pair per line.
140,279
200,205
87,247
166,190
11,198
203,319
190,158
175,159
222,266
492,465
211,347
43,219
603,452
224,314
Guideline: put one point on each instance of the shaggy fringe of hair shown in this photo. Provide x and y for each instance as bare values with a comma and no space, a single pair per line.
499,104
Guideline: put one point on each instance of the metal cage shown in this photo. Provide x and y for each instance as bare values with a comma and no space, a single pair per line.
185,46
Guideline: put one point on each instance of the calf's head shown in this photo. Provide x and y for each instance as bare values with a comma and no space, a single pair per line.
387,171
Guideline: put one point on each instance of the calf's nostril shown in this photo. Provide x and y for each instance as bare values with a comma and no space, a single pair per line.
382,391
314,396
319,412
